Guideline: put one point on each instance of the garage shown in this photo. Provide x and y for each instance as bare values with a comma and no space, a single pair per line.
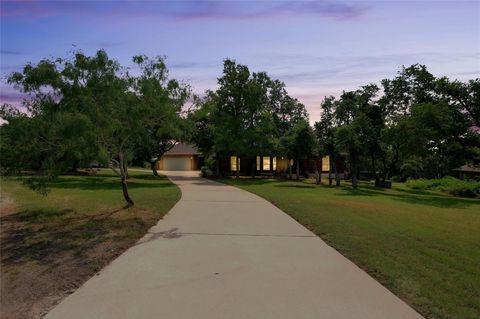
177,163
182,157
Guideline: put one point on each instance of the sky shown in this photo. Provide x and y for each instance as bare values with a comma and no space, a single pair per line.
318,48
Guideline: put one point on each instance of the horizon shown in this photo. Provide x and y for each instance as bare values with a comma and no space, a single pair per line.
318,48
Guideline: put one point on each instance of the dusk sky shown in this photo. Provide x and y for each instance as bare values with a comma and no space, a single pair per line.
317,48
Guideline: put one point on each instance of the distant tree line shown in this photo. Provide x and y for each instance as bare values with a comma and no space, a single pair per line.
414,125
86,109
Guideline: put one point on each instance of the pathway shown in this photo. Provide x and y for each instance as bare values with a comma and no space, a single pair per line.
222,252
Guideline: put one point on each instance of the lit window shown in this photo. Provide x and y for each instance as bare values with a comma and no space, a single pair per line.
233,163
266,163
326,164
274,163
258,163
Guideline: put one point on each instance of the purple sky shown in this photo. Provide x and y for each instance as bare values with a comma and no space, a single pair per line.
317,48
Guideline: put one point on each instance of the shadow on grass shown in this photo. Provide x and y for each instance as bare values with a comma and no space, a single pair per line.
46,235
298,186
412,197
399,194
102,183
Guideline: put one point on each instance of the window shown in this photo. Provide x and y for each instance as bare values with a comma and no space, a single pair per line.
258,163
274,163
326,164
233,163
266,163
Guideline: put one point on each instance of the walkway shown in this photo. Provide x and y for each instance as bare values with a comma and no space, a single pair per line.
222,252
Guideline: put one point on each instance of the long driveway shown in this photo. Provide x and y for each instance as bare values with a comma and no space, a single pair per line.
222,252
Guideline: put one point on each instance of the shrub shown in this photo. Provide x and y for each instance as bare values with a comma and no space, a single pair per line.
397,179
206,172
454,186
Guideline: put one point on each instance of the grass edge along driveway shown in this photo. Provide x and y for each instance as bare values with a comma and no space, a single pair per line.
423,246
51,245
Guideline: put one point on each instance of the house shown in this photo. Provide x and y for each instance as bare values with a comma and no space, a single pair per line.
276,165
467,171
182,157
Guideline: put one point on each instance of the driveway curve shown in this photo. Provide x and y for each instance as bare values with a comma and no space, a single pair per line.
222,252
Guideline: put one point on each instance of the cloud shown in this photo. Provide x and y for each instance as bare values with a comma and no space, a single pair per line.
193,65
10,52
184,10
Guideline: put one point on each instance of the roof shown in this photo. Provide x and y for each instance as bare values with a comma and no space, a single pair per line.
183,149
468,168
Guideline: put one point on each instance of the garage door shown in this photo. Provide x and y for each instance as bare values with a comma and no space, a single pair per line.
181,163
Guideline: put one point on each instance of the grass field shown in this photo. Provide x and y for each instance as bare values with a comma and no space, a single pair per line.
51,244
424,246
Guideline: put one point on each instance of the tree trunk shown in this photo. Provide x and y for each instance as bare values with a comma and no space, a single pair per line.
384,164
335,170
127,197
75,165
317,175
153,167
298,169
353,168
237,168
289,169
217,164
330,162
123,178
253,168
377,178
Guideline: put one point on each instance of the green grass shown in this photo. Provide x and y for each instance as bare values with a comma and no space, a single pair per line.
81,211
423,245
65,237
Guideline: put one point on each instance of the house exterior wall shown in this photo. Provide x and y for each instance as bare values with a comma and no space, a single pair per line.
282,164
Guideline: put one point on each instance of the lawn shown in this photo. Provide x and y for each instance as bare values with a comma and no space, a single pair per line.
51,244
422,245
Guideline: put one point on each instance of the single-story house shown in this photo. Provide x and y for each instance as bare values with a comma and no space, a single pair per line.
467,171
182,157
277,165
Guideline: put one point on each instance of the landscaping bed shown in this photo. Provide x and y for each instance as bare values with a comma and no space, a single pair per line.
51,245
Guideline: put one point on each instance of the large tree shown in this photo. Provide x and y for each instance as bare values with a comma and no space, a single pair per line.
161,99
243,120
325,130
356,131
89,100
300,143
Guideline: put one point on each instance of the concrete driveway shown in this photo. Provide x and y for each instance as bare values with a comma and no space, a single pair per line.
222,252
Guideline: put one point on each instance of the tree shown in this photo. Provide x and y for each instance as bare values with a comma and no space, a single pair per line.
243,121
325,130
161,99
353,116
300,142
202,126
412,85
89,100
465,97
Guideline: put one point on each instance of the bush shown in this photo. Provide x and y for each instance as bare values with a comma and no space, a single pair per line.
454,186
397,179
206,172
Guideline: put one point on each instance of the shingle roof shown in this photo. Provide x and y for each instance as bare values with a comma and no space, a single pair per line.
468,168
183,149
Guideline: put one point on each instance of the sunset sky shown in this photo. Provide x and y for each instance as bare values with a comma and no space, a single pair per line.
317,48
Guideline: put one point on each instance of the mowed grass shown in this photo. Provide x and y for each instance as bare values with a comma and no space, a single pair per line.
51,244
424,246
